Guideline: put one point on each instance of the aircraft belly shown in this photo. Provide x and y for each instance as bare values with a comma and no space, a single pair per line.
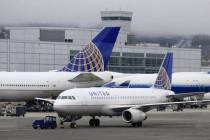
23,95
80,110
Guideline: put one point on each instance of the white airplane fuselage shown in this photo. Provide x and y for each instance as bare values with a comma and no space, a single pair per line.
182,82
23,86
101,101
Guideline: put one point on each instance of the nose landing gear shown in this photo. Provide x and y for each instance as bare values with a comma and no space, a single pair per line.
69,118
73,125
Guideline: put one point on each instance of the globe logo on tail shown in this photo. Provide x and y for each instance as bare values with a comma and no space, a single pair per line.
89,59
163,81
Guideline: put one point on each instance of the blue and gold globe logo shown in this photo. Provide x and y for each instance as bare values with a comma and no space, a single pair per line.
163,81
89,59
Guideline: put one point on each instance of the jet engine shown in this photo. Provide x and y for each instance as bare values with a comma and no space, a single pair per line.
133,116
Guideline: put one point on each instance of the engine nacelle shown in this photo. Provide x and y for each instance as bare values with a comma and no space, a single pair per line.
133,116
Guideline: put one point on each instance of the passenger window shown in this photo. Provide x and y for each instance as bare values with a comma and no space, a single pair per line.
64,97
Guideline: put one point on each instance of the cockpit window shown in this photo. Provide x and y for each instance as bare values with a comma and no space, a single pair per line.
59,97
71,98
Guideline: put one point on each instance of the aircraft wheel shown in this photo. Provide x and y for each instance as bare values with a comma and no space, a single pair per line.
139,124
97,122
73,125
35,127
91,122
133,124
61,124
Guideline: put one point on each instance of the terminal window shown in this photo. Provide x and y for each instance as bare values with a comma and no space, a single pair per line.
52,35
117,18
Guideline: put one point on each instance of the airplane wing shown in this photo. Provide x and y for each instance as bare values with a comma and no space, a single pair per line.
182,95
85,77
147,107
51,101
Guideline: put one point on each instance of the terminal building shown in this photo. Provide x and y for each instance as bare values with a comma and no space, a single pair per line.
50,48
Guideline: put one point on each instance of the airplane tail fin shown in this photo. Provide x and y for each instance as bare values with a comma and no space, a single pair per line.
95,56
164,77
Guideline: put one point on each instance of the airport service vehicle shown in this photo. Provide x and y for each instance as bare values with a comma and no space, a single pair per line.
15,111
47,122
11,110
86,69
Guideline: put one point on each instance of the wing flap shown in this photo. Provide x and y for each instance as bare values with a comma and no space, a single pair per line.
147,107
182,95
151,106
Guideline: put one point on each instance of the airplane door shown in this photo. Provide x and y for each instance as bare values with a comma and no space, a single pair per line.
57,85
83,100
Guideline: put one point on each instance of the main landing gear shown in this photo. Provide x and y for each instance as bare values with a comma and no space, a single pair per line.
94,122
138,124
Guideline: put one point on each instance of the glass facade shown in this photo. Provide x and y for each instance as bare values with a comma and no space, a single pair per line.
45,56
136,63
116,18
52,35
132,62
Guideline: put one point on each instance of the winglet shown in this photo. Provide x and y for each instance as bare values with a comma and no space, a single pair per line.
164,77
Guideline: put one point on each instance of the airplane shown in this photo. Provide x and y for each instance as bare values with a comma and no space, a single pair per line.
183,83
130,103
86,69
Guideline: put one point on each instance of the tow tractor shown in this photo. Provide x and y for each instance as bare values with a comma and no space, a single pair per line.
47,122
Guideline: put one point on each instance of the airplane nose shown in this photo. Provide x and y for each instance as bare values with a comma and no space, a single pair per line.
57,107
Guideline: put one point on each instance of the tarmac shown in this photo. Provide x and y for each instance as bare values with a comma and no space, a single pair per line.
186,125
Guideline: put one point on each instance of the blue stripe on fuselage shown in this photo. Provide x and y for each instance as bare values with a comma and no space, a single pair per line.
178,89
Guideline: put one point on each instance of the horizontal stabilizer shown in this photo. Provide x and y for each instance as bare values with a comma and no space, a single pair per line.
51,101
85,77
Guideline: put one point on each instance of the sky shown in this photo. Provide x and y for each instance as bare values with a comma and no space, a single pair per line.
182,17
